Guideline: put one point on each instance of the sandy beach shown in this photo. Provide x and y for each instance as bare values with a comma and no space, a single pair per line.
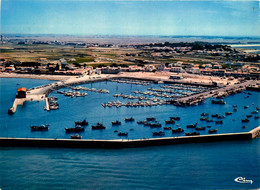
35,76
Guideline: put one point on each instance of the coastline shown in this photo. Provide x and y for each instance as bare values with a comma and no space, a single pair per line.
36,76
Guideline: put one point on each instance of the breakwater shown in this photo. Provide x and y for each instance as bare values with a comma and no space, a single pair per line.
120,143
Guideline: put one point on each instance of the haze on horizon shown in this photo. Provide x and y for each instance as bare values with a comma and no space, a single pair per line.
90,17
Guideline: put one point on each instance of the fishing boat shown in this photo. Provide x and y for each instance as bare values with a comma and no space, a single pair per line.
141,122
254,112
160,133
248,116
228,113
214,115
39,128
167,128
200,128
192,133
77,136
129,119
218,101
244,126
192,125
204,114
169,121
98,126
257,117
150,119
219,122
82,123
179,130
78,128
245,120
245,107
212,131
122,134
116,123
155,125
175,118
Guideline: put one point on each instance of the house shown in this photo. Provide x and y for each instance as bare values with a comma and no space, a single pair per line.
177,69
10,68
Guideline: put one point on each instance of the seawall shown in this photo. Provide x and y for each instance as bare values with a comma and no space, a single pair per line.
119,143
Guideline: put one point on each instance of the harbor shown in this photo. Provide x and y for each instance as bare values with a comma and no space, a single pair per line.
132,100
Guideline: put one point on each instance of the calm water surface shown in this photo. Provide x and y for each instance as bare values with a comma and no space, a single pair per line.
190,166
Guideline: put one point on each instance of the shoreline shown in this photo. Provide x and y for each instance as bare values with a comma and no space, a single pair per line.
36,76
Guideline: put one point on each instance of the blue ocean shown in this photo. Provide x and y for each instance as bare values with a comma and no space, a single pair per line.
189,166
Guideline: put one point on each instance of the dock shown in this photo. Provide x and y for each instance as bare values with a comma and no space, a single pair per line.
47,107
125,143
221,92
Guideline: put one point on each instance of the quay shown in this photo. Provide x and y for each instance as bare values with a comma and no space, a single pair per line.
41,93
219,92
125,143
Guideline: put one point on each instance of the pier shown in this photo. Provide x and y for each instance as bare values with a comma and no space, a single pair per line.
220,92
125,143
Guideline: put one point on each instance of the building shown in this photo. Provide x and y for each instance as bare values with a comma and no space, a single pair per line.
21,93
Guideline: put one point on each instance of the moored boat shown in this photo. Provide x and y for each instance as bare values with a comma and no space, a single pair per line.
78,128
192,125
169,121
245,120
167,128
150,119
77,136
200,128
218,101
175,118
39,128
179,130
192,133
212,131
122,134
130,119
228,113
82,123
219,122
98,126
116,123
160,133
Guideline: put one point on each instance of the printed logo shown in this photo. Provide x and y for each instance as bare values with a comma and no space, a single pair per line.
243,180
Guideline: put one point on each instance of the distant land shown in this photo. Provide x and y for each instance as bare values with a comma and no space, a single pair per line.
124,39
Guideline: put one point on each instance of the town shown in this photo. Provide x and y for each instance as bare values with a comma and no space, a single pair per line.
68,57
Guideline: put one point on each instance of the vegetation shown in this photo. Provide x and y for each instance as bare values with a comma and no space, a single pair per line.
82,60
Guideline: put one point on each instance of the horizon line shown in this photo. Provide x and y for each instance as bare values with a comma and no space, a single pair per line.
133,35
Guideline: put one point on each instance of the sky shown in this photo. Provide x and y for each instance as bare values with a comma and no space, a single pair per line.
121,17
